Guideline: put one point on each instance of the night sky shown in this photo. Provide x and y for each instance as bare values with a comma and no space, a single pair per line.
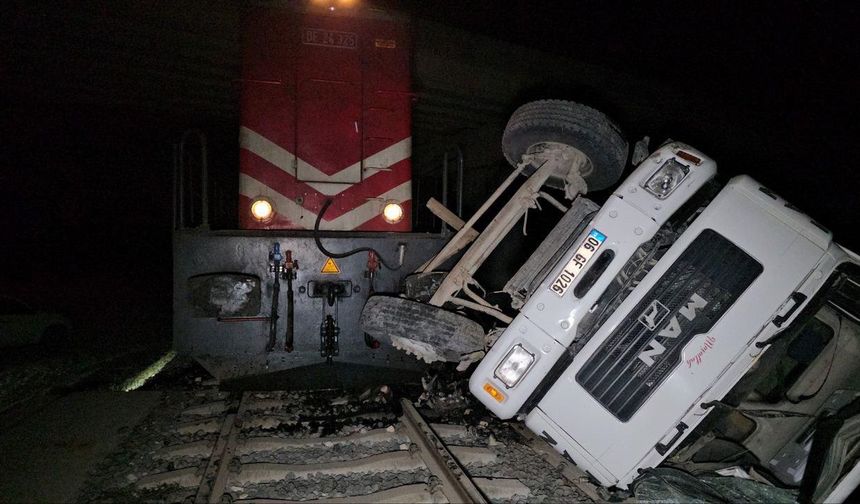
785,73
85,200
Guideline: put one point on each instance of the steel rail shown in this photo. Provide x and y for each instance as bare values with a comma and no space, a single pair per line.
456,485
222,454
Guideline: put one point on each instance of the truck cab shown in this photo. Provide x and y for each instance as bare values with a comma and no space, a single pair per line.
673,294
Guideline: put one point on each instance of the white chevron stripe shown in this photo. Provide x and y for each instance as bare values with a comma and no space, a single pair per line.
325,184
387,157
307,172
373,164
266,149
251,188
329,188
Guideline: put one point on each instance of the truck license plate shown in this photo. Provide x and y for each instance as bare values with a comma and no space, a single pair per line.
577,263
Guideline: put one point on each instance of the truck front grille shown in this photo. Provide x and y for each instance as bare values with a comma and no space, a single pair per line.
646,347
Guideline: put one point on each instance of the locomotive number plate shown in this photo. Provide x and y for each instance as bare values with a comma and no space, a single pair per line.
577,263
329,38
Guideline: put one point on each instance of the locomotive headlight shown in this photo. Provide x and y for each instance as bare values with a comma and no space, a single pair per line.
262,209
666,179
392,212
514,366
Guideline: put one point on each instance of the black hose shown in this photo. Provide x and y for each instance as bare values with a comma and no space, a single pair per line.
341,255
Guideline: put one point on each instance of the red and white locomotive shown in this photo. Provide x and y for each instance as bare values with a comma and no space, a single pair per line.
324,205
325,115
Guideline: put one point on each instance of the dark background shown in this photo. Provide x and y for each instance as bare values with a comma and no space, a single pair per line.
94,94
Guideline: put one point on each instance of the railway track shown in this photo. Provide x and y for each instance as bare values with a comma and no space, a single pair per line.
255,458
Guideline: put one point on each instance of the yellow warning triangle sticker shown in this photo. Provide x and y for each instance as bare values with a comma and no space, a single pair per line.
330,266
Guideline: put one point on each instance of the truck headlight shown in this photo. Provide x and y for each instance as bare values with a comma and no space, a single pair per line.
514,366
666,179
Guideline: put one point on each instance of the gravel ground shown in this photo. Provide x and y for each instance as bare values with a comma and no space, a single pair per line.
114,479
305,415
22,379
320,454
451,403
331,487
26,373
31,373
518,461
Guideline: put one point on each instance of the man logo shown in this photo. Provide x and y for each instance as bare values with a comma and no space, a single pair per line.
672,329
655,314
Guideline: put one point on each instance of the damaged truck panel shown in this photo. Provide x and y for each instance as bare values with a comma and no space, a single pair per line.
786,259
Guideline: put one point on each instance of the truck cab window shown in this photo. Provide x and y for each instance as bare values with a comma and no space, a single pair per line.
810,341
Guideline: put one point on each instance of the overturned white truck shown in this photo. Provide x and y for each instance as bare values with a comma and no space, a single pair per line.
686,322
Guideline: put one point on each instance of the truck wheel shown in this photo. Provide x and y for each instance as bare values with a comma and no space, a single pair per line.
428,332
579,126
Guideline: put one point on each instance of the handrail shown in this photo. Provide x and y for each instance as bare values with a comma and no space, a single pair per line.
180,183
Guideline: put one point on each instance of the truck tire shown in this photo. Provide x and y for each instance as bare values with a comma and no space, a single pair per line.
428,332
579,126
